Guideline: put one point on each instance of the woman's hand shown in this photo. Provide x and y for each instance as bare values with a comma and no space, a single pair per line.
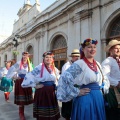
84,91
39,86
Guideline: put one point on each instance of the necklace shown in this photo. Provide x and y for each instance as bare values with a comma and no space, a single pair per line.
92,66
25,65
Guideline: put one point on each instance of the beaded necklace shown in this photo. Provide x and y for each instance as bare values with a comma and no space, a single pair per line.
92,66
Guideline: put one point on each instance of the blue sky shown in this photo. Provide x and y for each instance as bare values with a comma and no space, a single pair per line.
9,10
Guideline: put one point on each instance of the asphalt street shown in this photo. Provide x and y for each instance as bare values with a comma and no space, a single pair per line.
9,111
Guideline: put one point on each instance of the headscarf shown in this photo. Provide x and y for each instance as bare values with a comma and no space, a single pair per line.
43,64
30,68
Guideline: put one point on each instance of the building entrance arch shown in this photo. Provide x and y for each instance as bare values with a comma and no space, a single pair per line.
114,32
59,47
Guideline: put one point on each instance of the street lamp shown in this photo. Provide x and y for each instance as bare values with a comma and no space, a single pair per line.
16,40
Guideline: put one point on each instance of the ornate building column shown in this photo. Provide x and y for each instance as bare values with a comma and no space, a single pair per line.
76,21
39,46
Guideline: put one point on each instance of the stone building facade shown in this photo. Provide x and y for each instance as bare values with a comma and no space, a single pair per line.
61,27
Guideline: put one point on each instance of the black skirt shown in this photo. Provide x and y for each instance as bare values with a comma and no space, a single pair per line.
23,96
45,105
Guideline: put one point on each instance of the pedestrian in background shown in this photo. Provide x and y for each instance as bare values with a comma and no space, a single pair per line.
67,106
6,84
44,79
22,96
111,68
81,82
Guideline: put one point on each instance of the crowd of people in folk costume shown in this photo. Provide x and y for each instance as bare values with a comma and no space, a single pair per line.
85,87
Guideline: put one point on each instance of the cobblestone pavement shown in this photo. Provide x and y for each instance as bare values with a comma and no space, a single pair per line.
9,111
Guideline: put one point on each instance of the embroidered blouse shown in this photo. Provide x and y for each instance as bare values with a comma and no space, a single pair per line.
33,77
111,70
15,70
3,72
78,73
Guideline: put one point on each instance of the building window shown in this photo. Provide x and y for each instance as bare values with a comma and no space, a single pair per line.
115,31
30,50
59,42
5,58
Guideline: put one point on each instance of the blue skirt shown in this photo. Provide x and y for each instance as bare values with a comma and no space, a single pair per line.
6,85
90,106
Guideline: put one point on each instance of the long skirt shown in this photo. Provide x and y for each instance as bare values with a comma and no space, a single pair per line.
23,96
112,110
45,105
89,107
6,85
66,109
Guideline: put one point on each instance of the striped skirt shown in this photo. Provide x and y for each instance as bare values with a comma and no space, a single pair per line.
6,85
45,105
23,96
90,106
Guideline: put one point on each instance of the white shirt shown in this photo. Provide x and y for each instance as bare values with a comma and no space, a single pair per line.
34,77
78,73
3,72
15,69
66,66
111,70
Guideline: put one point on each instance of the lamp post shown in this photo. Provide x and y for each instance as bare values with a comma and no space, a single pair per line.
16,40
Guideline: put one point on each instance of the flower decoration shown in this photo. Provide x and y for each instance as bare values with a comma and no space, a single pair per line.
89,41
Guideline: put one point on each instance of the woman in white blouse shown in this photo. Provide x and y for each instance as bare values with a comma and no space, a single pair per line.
6,84
44,79
23,96
82,82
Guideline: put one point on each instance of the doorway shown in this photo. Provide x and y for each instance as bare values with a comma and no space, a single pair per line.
60,57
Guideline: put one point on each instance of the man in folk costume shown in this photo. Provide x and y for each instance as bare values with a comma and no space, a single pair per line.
23,96
67,106
111,68
44,79
6,84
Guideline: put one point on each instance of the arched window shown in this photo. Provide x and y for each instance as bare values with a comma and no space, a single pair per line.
59,42
30,50
5,58
115,29
59,47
